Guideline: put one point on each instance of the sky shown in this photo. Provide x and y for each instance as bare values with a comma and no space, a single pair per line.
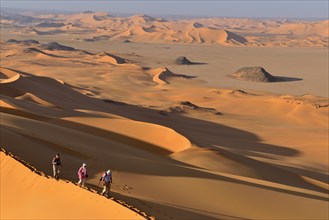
213,8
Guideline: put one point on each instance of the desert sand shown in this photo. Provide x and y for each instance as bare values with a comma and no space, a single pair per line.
50,199
183,141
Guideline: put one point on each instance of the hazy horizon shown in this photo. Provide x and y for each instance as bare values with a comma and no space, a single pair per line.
253,9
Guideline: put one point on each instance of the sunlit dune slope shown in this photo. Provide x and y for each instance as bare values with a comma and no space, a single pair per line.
27,195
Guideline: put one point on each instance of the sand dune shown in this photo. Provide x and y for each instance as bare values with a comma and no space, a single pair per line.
28,97
163,75
166,139
46,89
41,94
84,17
190,34
223,31
8,76
207,35
178,148
38,196
110,58
144,28
320,28
248,175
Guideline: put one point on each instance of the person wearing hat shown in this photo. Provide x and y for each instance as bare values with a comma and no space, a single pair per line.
82,174
106,182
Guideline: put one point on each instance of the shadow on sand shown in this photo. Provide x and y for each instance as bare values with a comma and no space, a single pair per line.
224,140
287,79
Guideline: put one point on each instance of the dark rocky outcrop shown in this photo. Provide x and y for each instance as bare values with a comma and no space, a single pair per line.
29,41
50,24
254,74
182,61
56,46
88,12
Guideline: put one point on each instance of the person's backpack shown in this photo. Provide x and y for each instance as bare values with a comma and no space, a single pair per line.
106,175
103,176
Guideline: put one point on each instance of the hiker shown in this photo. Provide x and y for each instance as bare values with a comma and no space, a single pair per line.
106,182
82,174
56,166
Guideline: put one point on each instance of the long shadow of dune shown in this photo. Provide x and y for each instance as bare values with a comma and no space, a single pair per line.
231,142
33,49
137,164
194,63
205,134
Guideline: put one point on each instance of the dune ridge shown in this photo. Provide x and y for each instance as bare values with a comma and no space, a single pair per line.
162,75
8,76
107,57
43,186
157,135
171,141
95,26
320,28
28,97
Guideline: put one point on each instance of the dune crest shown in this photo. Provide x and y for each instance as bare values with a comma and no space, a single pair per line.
144,28
136,133
36,197
320,28
110,58
28,97
208,35
162,75
8,76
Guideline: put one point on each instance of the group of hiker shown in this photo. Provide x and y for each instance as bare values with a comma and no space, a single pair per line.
106,177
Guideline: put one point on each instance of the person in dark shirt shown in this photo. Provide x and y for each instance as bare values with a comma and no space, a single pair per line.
56,166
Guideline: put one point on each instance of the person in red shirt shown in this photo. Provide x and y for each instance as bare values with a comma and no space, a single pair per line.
82,174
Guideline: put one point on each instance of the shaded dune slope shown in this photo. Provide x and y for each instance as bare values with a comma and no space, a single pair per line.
51,93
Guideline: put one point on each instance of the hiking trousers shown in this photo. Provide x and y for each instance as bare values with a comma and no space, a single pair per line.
106,188
56,170
82,182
